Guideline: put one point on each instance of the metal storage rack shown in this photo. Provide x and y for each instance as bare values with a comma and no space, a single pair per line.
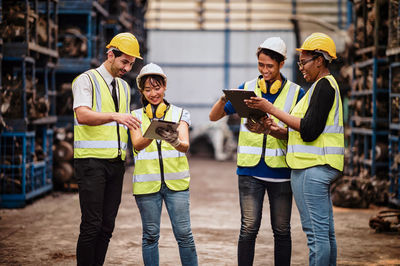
368,126
394,136
81,23
369,94
85,19
28,58
23,178
393,52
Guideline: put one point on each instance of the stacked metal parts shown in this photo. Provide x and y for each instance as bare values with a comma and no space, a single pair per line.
29,57
367,68
45,45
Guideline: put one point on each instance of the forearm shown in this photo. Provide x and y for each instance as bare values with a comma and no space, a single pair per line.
89,117
140,143
217,111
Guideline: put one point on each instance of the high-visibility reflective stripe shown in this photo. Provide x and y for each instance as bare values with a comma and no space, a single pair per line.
289,100
98,144
76,123
154,155
329,129
96,90
333,129
126,93
249,150
290,97
258,150
275,152
157,177
315,150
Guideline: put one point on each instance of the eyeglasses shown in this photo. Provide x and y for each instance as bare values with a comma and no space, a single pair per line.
301,64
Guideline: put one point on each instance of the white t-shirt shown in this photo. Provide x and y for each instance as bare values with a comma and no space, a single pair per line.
186,117
82,87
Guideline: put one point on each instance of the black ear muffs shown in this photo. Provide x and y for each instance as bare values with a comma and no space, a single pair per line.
158,113
273,89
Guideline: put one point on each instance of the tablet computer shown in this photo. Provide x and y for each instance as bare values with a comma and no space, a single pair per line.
151,130
237,97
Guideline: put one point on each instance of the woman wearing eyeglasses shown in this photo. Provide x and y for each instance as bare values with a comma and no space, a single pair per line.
315,150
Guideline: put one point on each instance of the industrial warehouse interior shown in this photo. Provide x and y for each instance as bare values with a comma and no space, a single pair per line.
204,47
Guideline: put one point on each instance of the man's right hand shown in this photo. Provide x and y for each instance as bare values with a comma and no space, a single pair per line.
128,120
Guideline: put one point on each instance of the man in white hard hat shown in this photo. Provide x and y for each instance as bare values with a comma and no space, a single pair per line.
261,156
102,117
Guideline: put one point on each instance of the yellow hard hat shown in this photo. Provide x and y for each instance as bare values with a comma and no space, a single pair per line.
319,41
127,43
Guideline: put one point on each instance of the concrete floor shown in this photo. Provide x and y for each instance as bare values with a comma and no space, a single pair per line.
45,232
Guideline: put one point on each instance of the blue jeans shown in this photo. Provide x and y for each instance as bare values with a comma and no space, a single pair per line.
311,190
251,194
177,203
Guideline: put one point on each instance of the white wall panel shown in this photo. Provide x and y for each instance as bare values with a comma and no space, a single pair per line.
196,47
193,85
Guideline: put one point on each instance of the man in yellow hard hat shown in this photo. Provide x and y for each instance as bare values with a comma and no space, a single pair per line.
101,121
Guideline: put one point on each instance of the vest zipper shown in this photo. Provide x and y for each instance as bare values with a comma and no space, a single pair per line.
119,142
160,159
263,146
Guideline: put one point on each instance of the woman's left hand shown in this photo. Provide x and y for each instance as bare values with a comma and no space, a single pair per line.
259,103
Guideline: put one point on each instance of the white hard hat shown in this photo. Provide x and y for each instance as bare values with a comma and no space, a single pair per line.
275,44
150,69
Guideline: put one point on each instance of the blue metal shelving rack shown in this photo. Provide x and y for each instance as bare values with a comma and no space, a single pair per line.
363,140
393,52
394,137
368,123
23,175
90,13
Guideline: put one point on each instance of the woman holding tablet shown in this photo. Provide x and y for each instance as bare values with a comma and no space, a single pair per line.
161,168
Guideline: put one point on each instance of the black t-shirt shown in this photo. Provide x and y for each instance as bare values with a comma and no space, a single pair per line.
314,121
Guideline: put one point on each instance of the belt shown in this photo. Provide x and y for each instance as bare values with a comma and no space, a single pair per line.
114,160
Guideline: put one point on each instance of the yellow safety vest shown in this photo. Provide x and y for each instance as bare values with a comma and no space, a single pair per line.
252,146
160,161
102,141
328,148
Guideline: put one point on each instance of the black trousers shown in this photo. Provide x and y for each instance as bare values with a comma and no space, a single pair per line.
100,187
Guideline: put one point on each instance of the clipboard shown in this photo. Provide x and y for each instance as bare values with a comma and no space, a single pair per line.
151,130
237,97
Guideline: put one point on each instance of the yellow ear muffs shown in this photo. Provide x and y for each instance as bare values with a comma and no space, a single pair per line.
275,86
273,89
159,113
262,85
149,111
